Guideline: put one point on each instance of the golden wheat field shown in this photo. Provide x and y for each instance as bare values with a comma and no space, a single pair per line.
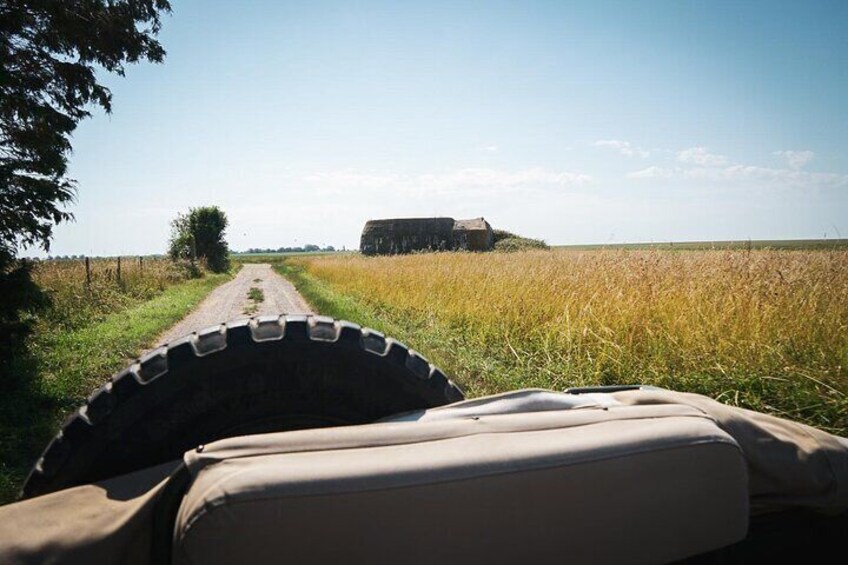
764,329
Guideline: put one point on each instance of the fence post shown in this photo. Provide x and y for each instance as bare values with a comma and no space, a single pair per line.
87,273
140,263
118,274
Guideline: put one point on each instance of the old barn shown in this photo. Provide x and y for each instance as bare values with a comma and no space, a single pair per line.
405,235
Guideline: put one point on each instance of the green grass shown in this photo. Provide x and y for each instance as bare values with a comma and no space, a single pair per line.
256,295
461,358
326,301
62,367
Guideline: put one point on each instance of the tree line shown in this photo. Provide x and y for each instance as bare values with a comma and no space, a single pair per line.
308,248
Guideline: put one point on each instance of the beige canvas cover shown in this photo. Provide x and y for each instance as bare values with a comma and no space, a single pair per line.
627,484
107,522
788,464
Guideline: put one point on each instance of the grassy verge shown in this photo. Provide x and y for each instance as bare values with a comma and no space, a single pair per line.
63,366
471,366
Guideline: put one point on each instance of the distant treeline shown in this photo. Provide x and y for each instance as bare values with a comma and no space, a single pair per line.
308,248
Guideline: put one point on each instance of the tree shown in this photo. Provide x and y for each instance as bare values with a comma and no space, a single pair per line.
48,53
49,50
200,235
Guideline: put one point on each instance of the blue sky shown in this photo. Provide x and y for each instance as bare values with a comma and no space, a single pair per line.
576,122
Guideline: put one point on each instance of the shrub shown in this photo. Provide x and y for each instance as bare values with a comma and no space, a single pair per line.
200,235
186,269
516,243
499,235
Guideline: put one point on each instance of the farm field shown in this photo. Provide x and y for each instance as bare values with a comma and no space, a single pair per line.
774,244
276,258
91,328
762,329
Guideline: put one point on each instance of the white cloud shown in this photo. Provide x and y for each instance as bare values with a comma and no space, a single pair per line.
351,178
461,180
490,148
796,159
493,178
702,165
624,147
745,174
701,156
651,172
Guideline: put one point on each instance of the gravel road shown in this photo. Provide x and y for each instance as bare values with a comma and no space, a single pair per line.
230,301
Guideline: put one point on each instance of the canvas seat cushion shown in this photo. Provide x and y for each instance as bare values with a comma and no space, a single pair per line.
790,465
613,484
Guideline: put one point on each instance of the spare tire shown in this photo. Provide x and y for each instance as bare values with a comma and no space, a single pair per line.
254,375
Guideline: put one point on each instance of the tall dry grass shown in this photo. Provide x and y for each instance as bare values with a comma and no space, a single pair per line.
75,302
763,329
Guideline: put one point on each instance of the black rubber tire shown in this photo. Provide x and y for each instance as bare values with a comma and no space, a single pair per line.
250,376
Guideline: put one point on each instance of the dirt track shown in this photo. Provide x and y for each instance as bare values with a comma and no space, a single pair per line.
230,301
